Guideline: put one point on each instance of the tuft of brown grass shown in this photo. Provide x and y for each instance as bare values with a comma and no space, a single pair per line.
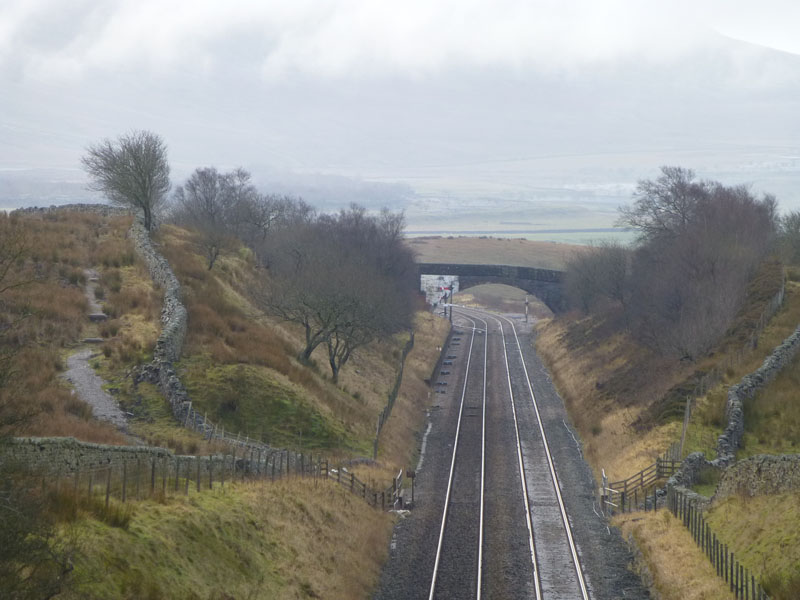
680,569
49,314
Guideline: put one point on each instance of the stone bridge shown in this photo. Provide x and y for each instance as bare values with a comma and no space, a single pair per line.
545,284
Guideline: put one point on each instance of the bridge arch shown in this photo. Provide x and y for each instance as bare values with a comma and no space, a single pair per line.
545,284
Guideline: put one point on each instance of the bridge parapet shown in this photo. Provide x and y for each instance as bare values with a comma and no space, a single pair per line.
546,284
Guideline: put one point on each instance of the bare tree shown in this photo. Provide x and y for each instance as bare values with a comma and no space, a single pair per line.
666,205
132,171
210,202
14,248
790,236
346,278
682,285
600,275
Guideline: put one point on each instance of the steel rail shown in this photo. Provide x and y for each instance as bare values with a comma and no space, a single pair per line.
553,474
453,464
551,466
525,497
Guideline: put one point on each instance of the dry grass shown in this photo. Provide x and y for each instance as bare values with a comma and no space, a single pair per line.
680,569
627,402
489,251
291,539
772,419
399,440
607,384
227,328
49,316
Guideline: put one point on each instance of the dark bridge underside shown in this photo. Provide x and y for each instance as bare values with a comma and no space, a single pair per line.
545,284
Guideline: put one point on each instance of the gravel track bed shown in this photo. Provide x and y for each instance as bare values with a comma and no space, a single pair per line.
507,565
457,576
554,559
604,556
407,573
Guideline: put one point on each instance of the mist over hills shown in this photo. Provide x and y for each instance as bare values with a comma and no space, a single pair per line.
478,147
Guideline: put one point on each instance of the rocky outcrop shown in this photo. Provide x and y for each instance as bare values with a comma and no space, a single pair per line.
761,474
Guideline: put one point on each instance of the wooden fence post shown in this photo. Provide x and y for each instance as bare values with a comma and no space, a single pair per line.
108,485
197,459
124,479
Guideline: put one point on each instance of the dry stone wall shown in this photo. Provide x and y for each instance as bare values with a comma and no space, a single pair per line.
761,474
750,384
63,456
105,210
745,477
173,312
174,321
66,455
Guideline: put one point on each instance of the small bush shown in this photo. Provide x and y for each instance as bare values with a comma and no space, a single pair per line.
782,588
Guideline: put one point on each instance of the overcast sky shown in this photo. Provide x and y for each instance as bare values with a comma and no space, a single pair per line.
335,38
386,90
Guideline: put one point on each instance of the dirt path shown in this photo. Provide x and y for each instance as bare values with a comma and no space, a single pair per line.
86,383
89,387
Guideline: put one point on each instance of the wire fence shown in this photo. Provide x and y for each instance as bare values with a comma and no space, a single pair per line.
741,580
160,477
392,397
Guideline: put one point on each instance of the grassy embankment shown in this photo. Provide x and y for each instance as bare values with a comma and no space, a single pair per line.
272,540
762,532
613,418
627,401
679,568
772,418
290,539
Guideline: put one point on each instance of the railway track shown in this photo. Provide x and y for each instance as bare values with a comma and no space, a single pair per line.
504,531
